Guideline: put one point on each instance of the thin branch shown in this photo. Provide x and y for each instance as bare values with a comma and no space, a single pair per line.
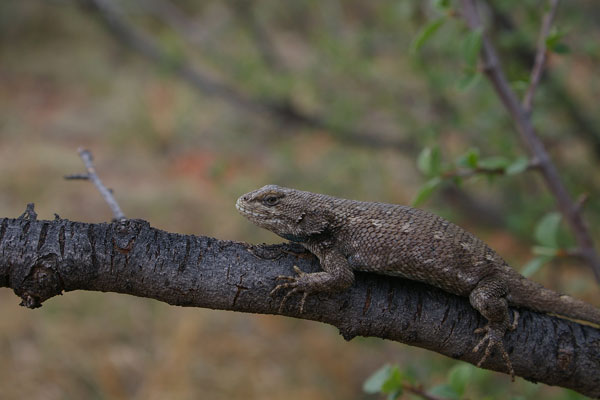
583,126
283,111
540,57
91,175
482,170
581,200
42,259
536,148
420,392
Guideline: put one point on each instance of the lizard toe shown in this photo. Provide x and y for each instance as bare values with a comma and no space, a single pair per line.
289,294
493,338
285,278
299,271
286,285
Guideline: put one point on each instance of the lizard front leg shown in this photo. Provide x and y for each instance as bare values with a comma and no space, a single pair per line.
336,276
489,298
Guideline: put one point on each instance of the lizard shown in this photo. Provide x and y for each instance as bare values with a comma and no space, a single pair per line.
396,240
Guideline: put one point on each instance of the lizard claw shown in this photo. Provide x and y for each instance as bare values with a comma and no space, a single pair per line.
293,284
287,296
298,271
493,337
285,278
287,285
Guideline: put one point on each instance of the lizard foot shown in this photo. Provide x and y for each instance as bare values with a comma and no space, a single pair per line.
294,285
493,337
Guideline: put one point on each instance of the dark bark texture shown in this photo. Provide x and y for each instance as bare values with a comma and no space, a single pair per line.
41,259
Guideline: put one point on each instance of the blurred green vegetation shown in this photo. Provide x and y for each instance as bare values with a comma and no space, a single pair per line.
377,81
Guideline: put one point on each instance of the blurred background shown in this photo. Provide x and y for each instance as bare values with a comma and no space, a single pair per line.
188,104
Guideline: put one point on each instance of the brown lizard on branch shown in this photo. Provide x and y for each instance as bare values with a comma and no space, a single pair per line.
348,235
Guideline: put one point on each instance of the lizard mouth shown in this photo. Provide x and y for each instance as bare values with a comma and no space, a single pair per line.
246,211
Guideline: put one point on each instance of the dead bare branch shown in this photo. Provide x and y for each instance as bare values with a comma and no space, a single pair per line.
91,175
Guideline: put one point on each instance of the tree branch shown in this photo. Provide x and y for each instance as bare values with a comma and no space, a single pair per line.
574,109
91,175
537,150
540,57
41,259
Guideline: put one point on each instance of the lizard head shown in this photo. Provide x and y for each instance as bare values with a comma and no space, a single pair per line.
292,214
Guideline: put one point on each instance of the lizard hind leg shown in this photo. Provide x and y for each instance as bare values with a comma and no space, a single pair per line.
489,299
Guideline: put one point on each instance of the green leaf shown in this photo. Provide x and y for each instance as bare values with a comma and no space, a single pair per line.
426,191
517,166
545,251
444,391
426,33
441,5
496,162
546,231
424,160
458,377
457,180
429,161
470,159
554,42
469,79
561,48
554,37
534,265
375,382
393,384
387,379
395,395
472,47
520,86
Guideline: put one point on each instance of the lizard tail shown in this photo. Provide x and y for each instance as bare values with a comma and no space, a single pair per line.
536,297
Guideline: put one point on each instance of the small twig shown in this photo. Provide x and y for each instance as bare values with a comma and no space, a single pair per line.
581,200
540,57
29,213
533,143
418,391
469,172
91,175
571,253
83,177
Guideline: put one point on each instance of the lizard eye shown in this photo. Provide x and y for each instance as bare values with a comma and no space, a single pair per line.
271,200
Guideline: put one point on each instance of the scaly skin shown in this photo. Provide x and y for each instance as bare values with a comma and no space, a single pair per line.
395,240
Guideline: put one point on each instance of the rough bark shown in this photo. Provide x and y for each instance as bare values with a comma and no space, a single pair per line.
41,259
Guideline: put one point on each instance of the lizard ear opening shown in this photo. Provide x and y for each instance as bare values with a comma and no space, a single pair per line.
312,224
